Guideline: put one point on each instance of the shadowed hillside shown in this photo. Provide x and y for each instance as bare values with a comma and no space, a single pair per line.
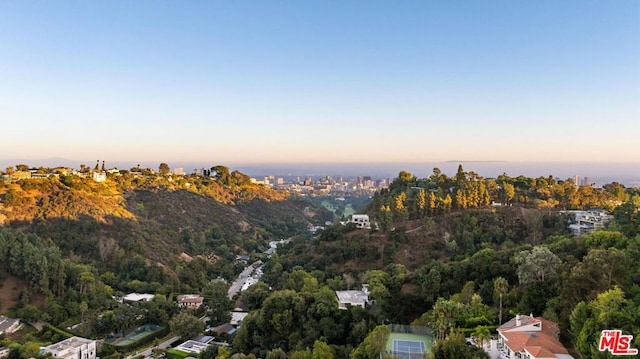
156,217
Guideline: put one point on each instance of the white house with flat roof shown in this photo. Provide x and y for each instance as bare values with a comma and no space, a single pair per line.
361,220
72,348
193,347
138,297
347,298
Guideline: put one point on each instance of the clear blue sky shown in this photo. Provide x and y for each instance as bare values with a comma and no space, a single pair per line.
320,81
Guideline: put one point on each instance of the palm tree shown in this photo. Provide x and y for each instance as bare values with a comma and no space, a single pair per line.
481,333
500,287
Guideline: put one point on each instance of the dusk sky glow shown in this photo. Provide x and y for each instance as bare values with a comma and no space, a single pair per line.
320,81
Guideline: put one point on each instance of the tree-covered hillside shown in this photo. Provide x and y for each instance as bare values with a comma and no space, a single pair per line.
458,255
467,253
72,239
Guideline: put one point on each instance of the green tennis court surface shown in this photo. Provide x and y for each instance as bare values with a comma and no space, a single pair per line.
133,335
409,346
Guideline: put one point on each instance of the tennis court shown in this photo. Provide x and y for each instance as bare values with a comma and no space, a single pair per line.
133,336
408,349
409,345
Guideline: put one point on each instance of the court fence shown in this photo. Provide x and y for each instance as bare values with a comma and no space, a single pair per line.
409,329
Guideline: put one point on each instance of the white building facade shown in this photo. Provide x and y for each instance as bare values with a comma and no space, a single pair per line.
361,221
73,348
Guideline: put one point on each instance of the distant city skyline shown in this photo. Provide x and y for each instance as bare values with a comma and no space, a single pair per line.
599,174
293,82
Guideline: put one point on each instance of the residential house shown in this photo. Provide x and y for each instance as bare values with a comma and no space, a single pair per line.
9,325
237,318
99,176
587,222
138,297
190,301
352,298
72,348
4,352
529,337
194,346
361,221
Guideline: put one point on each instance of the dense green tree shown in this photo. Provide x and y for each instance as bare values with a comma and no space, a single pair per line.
255,295
373,345
535,296
220,306
222,175
321,350
455,347
445,313
210,353
185,325
627,216
608,310
430,283
30,350
599,271
164,169
277,353
539,264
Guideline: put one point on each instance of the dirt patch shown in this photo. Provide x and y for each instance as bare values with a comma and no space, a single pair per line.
10,288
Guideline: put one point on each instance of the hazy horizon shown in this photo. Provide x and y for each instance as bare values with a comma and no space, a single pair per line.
627,173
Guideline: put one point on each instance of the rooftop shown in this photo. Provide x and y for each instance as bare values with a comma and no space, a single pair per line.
352,297
192,346
6,323
136,297
535,335
190,298
73,342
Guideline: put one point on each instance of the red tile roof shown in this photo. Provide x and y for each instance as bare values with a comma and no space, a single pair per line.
539,342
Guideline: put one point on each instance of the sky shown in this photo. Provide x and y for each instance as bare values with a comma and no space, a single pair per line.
320,81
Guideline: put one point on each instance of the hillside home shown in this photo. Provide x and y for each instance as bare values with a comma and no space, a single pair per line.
237,318
587,222
72,348
9,325
138,297
526,336
194,346
190,301
99,176
4,352
18,175
347,298
361,221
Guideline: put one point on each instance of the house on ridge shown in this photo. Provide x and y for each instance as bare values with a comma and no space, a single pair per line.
361,220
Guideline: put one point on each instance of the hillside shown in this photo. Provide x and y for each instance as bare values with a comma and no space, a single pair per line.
467,253
480,250
416,242
154,217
